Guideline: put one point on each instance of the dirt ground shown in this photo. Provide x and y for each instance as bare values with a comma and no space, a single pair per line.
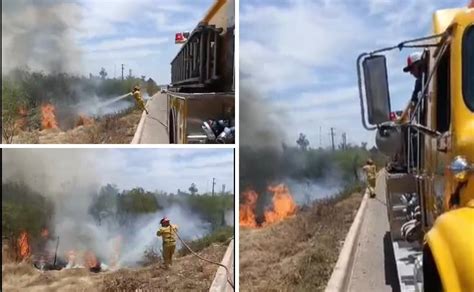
118,129
299,253
187,274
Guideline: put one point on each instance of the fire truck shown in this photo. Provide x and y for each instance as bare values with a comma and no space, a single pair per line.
430,205
201,94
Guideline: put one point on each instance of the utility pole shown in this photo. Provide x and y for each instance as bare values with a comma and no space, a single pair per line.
332,138
122,71
130,73
320,141
213,184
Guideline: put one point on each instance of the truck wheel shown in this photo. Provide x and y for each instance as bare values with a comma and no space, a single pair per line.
431,280
171,131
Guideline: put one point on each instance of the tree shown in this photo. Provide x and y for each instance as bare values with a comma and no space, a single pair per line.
193,189
302,142
103,73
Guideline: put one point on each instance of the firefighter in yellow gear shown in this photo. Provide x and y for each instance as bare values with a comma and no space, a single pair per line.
138,98
371,174
168,232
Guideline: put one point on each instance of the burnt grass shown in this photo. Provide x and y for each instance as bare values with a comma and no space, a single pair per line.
299,253
117,128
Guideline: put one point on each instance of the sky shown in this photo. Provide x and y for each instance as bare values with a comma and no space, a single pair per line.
152,169
107,33
300,57
139,34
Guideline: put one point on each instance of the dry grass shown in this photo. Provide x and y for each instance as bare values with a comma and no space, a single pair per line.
116,129
187,274
299,253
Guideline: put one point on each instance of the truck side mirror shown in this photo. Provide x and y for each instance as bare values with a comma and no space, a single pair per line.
376,89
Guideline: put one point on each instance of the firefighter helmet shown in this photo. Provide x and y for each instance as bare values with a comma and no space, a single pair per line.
164,220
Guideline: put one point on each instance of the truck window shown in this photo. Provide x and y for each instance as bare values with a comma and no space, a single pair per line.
443,103
468,67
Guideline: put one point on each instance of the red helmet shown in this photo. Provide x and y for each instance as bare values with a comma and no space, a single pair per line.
164,219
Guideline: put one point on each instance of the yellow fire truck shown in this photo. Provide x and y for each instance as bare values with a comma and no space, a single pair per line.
430,204
201,93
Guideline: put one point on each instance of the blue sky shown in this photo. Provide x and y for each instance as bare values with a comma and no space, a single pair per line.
300,56
152,169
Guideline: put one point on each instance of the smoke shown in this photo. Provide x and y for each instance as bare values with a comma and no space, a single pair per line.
265,160
229,217
259,125
70,178
39,34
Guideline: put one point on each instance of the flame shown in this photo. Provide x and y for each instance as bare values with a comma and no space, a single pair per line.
283,205
247,216
48,117
84,120
90,260
23,245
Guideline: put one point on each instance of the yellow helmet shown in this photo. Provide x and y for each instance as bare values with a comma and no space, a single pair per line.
369,161
136,88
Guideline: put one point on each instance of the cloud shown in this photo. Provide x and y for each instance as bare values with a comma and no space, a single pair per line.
151,169
301,56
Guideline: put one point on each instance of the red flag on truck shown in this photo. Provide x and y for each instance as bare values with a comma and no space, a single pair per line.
181,37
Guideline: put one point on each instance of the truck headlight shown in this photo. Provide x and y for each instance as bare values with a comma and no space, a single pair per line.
460,168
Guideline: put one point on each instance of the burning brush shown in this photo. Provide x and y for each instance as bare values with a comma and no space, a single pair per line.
282,207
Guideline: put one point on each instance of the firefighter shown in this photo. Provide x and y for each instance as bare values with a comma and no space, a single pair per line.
138,99
416,66
168,232
370,173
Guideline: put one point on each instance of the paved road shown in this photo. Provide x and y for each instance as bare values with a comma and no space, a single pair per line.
374,268
154,128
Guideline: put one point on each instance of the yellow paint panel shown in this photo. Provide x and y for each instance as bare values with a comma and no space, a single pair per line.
452,244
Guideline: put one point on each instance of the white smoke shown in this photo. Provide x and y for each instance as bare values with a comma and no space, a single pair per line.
304,193
70,177
229,217
40,34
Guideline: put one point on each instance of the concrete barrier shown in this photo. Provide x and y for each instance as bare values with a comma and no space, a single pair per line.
341,273
139,131
220,284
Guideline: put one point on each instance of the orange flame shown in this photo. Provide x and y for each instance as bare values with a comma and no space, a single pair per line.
48,117
90,259
84,120
283,205
247,216
23,245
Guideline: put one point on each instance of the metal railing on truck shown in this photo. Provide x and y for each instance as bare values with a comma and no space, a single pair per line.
205,61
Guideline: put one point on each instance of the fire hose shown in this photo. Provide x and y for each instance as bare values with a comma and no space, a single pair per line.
206,260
